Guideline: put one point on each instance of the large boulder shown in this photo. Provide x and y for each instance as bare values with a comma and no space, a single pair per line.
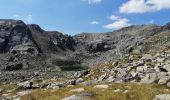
162,97
56,85
167,67
25,85
164,80
150,78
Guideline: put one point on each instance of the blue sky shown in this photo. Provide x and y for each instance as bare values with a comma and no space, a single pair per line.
76,16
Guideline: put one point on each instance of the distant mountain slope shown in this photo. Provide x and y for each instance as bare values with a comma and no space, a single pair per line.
31,42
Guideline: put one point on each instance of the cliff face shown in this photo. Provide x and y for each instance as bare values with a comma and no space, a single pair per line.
14,36
20,41
17,36
29,47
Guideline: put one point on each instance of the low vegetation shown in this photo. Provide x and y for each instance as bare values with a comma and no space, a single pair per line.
134,92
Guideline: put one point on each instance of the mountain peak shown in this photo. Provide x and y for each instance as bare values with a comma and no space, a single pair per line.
10,22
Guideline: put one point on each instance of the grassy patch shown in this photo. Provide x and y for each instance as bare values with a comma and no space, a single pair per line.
12,88
135,92
7,87
49,94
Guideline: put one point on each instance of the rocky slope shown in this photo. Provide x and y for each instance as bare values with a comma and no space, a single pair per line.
50,59
29,48
133,77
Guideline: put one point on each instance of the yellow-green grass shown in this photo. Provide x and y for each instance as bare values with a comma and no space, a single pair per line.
7,87
135,92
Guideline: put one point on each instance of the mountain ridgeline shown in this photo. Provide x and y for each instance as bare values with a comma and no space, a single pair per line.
28,47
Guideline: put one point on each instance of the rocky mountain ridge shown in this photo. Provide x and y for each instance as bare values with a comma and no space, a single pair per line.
35,61
28,47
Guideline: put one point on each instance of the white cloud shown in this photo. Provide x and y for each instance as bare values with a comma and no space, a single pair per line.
94,22
93,1
118,22
134,6
151,21
159,4
113,17
16,16
28,19
143,6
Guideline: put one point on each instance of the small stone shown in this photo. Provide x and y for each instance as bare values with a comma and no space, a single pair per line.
90,82
164,80
72,82
73,97
115,63
1,90
126,91
101,78
77,90
80,80
167,67
111,79
86,94
117,90
75,74
70,86
141,68
157,67
168,84
121,73
119,81
133,73
166,90
147,56
55,87
101,86
161,60
15,96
